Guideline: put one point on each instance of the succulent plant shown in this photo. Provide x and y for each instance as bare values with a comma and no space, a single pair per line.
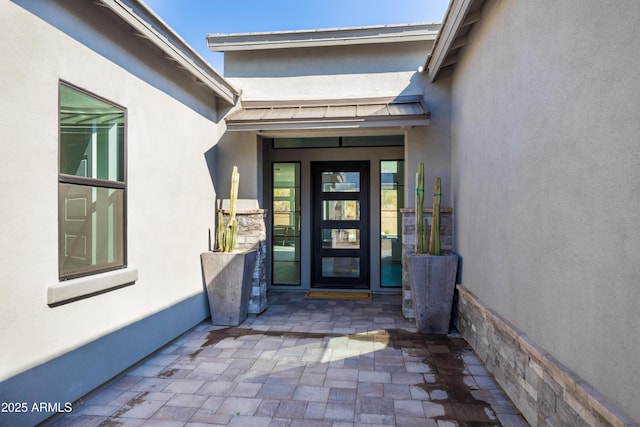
434,241
421,230
228,234
427,243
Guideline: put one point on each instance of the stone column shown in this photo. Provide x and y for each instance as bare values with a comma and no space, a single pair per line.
252,234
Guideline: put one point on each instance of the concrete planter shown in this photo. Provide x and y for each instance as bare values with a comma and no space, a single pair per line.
433,280
228,277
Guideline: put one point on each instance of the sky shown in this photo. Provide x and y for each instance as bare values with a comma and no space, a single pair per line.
194,19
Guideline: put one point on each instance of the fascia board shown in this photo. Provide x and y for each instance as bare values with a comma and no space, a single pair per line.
455,17
322,37
209,78
266,103
294,44
326,125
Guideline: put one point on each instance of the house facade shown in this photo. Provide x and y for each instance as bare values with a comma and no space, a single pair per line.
121,139
330,125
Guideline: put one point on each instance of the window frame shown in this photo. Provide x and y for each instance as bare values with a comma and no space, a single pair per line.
64,178
336,142
295,213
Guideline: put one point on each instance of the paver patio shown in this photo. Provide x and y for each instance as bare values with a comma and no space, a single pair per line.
305,362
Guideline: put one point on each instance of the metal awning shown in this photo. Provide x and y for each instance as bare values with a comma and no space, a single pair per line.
396,112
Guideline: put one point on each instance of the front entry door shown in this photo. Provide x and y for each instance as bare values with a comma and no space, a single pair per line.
340,225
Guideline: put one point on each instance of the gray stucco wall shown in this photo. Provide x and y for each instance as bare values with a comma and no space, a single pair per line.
240,149
328,72
52,354
546,181
367,71
431,145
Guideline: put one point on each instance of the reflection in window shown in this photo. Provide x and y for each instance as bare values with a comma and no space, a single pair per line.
91,184
344,141
340,182
341,267
341,210
391,201
333,238
285,234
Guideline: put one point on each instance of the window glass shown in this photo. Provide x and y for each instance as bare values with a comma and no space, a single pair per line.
341,210
337,142
285,232
91,184
341,267
92,221
391,201
342,238
91,137
340,182
372,141
321,142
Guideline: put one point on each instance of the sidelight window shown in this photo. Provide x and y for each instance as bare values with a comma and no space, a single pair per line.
391,201
286,224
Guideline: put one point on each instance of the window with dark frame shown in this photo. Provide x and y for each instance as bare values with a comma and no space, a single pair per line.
91,184
286,247
339,142
391,201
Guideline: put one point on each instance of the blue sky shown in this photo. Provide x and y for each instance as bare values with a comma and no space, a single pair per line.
193,19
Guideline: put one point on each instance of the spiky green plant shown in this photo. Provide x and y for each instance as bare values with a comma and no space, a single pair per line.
421,230
434,241
227,235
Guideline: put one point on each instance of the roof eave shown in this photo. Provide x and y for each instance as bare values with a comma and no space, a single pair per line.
327,114
458,15
335,123
323,37
203,74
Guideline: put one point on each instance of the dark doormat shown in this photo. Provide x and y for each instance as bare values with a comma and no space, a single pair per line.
339,295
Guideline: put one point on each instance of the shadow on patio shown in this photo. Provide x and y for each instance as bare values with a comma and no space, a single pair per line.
305,362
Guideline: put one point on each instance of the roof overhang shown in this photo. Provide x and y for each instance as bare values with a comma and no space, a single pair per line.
458,21
326,115
147,25
323,37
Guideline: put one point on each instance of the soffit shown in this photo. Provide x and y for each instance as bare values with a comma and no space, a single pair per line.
458,22
329,114
147,25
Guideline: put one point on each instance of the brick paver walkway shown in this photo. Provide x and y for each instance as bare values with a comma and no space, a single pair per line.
305,362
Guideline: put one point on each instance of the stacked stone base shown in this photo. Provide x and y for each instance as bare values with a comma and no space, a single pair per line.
546,392
409,247
252,234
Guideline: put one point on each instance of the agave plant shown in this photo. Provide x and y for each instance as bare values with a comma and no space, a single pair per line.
228,234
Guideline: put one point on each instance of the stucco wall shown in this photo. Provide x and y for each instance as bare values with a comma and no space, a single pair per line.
366,71
170,198
546,181
431,145
238,149
328,72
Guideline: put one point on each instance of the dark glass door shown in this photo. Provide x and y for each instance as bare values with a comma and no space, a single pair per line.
340,225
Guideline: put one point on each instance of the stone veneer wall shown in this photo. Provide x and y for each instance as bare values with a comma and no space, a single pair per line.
409,247
545,391
252,233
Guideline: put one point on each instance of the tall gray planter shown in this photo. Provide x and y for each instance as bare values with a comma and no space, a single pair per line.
228,277
433,280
